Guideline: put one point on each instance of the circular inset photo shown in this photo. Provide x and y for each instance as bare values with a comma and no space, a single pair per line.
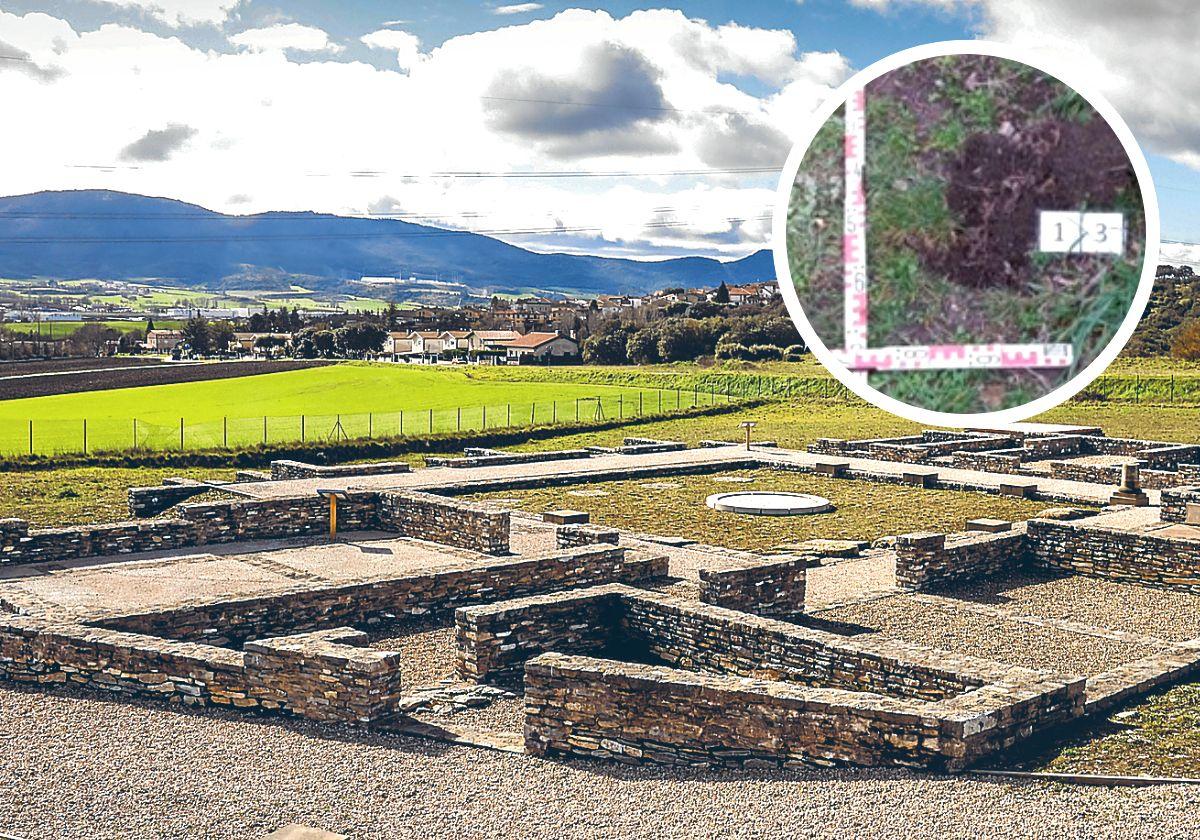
966,236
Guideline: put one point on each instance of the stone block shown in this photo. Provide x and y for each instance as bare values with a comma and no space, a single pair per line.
1019,489
836,469
566,517
919,477
989,526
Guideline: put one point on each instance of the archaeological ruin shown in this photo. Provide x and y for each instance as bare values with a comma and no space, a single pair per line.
379,596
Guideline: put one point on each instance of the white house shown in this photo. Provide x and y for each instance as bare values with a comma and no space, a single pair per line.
542,346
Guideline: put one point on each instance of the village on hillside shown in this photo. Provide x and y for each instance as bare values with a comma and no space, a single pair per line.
525,330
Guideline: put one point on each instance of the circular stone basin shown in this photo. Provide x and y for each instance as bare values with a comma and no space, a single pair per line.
769,504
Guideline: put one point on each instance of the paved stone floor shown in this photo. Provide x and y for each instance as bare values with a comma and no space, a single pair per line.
172,578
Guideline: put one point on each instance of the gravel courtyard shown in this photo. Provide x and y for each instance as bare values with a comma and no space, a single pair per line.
79,767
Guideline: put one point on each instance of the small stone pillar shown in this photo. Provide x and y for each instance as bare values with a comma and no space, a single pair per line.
1130,492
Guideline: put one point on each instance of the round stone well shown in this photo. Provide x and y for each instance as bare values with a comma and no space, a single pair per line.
768,503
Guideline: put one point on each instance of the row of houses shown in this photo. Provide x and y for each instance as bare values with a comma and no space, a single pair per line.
418,346
486,346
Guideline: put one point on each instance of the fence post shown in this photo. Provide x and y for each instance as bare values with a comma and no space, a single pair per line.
460,418
370,424
180,434
508,419
264,430
533,413
676,399
484,429
225,431
640,396
431,421
135,433
30,437
660,400
620,406
302,428
401,422
577,409
84,435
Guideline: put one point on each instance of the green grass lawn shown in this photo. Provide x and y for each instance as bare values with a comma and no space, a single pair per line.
675,506
371,400
61,329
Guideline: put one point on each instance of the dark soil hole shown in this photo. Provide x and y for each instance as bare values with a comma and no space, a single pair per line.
1000,182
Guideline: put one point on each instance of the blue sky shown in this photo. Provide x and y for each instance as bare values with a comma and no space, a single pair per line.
248,106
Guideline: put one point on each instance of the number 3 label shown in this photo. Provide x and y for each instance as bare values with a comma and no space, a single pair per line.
1073,232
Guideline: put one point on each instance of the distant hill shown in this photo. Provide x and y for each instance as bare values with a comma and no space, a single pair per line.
119,236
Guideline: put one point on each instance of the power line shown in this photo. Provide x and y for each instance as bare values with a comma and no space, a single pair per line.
481,174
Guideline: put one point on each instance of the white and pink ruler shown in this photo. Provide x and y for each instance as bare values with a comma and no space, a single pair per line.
857,355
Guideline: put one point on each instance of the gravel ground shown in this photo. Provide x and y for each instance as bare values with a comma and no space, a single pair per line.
1164,614
850,580
79,767
1001,640
504,715
428,650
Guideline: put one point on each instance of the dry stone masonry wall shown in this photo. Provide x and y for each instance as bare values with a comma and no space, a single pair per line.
773,588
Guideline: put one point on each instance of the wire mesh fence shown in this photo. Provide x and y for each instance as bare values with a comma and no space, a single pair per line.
45,437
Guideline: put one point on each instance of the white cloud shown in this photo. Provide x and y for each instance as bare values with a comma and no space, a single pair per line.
406,45
179,13
1142,56
255,130
1178,253
517,8
286,36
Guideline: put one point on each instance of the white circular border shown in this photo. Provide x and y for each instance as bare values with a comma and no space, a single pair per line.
858,384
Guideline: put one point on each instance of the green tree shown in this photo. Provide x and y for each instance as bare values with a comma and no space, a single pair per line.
641,347
197,336
1186,343
722,295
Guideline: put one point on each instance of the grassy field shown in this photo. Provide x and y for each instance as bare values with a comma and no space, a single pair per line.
54,330
675,506
346,400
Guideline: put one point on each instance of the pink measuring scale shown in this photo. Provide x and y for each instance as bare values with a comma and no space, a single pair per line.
857,355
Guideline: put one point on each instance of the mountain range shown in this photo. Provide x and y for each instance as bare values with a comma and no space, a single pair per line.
103,234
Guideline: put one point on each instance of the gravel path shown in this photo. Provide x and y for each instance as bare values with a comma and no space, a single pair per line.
1001,640
1165,614
504,715
428,650
87,768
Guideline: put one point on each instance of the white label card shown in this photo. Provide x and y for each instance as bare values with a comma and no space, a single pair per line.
1073,232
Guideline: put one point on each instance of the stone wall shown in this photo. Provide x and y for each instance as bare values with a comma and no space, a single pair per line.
315,676
151,501
493,458
577,705
324,675
1169,562
1174,503
446,521
495,640
283,470
772,588
433,592
570,536
420,515
928,560
699,636
1001,461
